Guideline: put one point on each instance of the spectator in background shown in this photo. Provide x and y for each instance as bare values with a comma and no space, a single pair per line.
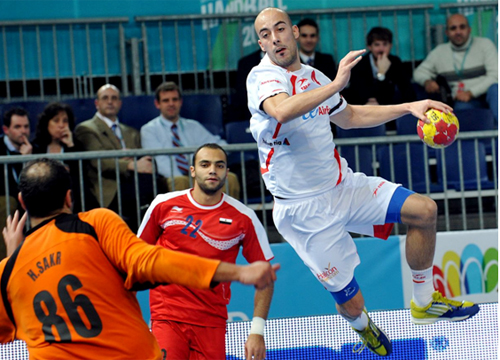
170,130
379,78
54,135
239,104
308,40
15,141
105,132
465,69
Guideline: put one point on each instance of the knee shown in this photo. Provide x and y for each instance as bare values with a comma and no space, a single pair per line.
428,212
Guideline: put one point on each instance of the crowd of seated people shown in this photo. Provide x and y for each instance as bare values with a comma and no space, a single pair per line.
462,72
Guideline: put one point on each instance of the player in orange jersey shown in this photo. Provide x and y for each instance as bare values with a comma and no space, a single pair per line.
67,290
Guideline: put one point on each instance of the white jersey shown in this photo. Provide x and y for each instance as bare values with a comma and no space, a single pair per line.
298,159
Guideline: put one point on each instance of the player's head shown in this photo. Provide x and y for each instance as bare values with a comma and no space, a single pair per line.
278,37
16,125
309,36
44,185
379,41
458,29
108,101
209,168
168,99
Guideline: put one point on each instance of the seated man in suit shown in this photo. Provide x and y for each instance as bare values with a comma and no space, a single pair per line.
379,78
308,40
105,132
15,141
170,130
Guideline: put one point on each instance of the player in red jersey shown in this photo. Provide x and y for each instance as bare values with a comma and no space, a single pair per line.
190,323
67,289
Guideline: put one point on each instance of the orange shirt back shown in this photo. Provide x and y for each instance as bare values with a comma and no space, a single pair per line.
66,291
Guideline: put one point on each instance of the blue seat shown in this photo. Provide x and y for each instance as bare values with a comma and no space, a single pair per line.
136,111
406,125
365,132
365,157
475,119
469,162
83,109
400,165
238,132
207,109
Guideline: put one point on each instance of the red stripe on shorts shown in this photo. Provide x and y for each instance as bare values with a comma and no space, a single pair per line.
337,157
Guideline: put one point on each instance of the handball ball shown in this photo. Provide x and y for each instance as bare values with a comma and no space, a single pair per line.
441,131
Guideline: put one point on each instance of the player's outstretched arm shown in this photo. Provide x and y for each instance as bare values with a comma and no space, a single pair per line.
260,273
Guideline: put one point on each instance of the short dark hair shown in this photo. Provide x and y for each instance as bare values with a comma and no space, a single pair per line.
43,184
379,34
7,116
42,133
210,146
167,86
309,22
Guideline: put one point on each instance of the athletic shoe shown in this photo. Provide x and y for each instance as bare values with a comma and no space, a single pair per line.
442,309
374,339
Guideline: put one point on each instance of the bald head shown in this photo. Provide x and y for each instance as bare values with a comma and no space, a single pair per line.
270,12
457,29
105,87
108,102
278,38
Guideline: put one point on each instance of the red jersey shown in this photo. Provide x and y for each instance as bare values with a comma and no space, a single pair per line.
176,221
65,291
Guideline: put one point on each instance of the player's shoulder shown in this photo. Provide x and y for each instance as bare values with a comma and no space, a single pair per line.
170,199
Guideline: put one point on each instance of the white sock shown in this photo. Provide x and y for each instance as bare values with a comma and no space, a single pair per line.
361,322
423,286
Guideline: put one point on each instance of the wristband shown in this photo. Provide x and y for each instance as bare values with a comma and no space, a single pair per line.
258,324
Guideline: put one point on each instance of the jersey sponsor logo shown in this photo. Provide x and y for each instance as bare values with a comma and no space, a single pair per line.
302,84
276,142
269,81
177,209
329,273
375,191
320,110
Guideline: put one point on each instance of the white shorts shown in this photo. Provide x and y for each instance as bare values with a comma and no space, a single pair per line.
317,227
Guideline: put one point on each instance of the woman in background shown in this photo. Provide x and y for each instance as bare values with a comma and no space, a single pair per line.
54,135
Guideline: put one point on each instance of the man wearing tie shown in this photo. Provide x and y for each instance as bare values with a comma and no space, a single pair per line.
105,132
308,40
15,141
170,130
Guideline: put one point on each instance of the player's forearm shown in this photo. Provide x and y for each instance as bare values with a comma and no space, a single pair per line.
285,108
373,115
262,302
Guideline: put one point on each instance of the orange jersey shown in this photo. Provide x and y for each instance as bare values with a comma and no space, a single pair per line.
66,291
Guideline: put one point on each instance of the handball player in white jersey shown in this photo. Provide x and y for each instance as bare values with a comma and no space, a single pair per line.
318,199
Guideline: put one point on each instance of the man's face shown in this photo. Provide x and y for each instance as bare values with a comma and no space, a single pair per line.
210,170
278,38
458,30
19,129
308,39
380,47
169,105
108,103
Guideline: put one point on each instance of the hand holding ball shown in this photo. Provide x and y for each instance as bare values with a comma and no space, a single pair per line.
441,131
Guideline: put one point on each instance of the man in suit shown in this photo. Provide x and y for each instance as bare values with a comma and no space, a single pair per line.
15,141
105,132
379,78
308,40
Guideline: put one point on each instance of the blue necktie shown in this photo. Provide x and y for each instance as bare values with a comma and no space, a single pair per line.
180,159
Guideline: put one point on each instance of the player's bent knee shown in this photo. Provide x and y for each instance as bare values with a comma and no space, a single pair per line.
420,211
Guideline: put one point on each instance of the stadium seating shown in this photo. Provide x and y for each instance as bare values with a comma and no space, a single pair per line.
406,125
365,158
207,109
418,166
469,162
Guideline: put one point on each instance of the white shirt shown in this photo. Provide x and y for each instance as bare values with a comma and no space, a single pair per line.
157,134
298,158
